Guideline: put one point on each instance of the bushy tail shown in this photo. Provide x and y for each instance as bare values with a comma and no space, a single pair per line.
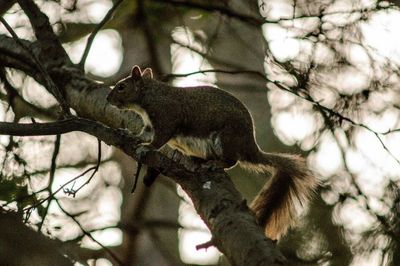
282,198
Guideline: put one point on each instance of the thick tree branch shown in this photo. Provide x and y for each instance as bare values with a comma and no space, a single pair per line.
49,42
233,226
46,77
9,49
5,5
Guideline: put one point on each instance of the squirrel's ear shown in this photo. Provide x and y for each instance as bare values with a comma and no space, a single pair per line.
136,73
147,73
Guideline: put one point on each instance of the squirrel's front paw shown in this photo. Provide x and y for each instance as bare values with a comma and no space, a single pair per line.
143,150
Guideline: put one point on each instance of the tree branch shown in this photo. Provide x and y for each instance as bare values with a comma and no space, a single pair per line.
301,94
11,50
95,31
46,77
50,44
39,129
53,167
88,234
5,5
252,20
233,226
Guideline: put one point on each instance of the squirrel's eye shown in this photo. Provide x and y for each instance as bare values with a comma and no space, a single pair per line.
120,87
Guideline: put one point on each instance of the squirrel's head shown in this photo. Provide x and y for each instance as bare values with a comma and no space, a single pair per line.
128,90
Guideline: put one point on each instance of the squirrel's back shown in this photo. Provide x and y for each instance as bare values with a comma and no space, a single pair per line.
200,109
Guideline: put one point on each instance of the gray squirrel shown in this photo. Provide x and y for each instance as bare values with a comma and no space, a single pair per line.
211,124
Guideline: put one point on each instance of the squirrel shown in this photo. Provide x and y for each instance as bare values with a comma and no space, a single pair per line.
209,123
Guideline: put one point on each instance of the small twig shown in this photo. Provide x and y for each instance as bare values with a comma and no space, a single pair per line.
138,168
231,72
48,80
379,218
72,191
212,59
308,98
62,187
95,31
390,131
95,169
109,251
53,167
251,20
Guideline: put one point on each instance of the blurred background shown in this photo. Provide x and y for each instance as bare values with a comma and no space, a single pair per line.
320,77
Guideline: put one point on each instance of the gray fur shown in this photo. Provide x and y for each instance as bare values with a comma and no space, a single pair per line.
211,124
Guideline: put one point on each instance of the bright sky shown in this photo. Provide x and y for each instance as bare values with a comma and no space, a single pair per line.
294,120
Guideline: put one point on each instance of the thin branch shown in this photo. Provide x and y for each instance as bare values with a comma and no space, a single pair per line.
39,129
53,167
95,31
29,209
51,48
78,164
48,80
251,20
214,60
95,170
385,225
167,77
109,251
390,131
308,98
